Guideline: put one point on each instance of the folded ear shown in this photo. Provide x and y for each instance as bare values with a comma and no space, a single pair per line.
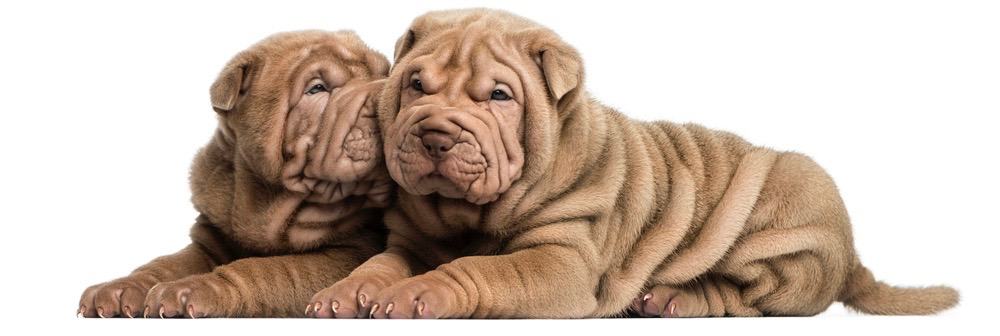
231,83
561,65
404,44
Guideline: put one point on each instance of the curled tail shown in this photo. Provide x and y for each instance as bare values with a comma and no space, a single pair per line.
863,293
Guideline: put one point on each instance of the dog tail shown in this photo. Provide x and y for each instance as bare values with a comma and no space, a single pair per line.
865,294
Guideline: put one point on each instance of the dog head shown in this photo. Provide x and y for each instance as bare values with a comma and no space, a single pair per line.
473,103
297,154
298,109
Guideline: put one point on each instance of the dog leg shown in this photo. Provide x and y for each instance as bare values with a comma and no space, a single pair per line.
354,296
543,273
124,297
278,286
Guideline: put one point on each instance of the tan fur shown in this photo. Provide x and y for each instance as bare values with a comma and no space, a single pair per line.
289,188
606,215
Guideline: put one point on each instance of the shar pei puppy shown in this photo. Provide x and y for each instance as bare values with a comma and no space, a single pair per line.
289,189
523,197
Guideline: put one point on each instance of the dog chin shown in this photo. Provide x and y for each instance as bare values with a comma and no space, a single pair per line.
434,183
453,177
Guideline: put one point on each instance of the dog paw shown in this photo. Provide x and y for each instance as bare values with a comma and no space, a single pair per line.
193,297
117,298
351,297
420,297
667,301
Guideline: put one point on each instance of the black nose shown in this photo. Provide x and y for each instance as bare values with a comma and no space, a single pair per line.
437,143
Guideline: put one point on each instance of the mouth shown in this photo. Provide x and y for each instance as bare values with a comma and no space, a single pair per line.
452,174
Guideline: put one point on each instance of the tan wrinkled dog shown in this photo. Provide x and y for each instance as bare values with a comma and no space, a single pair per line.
524,197
289,188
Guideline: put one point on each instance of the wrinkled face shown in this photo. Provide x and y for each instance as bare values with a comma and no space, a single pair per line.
300,107
332,151
331,140
297,128
459,129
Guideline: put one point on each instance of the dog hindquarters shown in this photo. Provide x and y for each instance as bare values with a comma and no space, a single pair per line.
784,272
796,249
791,254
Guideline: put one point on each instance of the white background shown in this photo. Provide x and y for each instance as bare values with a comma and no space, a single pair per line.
103,105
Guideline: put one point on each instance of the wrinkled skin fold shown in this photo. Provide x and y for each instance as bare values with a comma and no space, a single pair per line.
539,202
289,190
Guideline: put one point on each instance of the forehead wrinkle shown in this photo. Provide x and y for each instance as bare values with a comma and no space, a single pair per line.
320,53
465,48
498,50
518,63
473,54
443,62
456,82
432,65
343,57
506,53
434,58
483,66
442,56
470,40
294,61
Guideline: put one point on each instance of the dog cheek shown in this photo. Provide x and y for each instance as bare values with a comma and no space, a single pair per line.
408,165
466,169
362,144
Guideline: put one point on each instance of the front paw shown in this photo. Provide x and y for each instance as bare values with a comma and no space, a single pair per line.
117,298
426,296
348,298
195,296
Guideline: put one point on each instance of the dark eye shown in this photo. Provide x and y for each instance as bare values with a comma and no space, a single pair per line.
417,85
316,89
499,95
